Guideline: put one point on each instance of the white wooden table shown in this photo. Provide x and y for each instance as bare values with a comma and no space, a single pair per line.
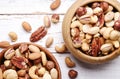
14,12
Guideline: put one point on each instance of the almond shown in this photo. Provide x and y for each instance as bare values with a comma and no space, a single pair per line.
4,44
26,26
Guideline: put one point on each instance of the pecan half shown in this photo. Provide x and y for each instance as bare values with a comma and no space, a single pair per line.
101,20
23,48
96,44
38,34
19,62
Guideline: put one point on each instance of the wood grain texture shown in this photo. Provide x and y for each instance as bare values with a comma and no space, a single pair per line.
14,12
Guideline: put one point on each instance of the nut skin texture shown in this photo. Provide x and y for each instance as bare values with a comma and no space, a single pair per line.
55,4
55,18
104,6
117,25
4,44
47,22
37,61
27,27
38,34
81,11
72,74
50,65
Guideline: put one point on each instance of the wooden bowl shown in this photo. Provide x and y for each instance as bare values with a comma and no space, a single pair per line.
67,37
48,54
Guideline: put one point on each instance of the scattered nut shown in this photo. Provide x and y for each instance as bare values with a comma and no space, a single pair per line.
4,44
55,4
27,27
13,36
72,74
55,18
60,49
69,62
47,22
49,41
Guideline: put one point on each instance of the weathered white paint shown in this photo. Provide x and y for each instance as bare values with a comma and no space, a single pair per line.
14,12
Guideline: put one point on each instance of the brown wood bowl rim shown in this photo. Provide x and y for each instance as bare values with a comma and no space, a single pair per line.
67,38
48,54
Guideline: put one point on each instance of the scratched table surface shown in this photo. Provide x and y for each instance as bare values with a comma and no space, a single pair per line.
14,12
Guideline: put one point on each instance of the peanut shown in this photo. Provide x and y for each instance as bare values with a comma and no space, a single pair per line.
13,36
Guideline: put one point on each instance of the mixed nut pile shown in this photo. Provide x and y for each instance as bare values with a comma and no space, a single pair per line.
95,29
27,61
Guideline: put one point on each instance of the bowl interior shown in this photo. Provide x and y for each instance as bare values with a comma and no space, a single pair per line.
48,54
66,33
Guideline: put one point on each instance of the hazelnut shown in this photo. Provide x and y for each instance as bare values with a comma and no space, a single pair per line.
95,4
72,74
104,6
50,65
55,18
81,11
117,25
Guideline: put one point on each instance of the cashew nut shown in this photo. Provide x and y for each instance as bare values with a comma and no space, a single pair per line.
85,46
94,19
47,76
60,49
106,33
54,73
110,23
10,74
109,16
117,15
114,35
97,10
32,72
76,24
102,30
116,44
41,71
106,47
69,62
